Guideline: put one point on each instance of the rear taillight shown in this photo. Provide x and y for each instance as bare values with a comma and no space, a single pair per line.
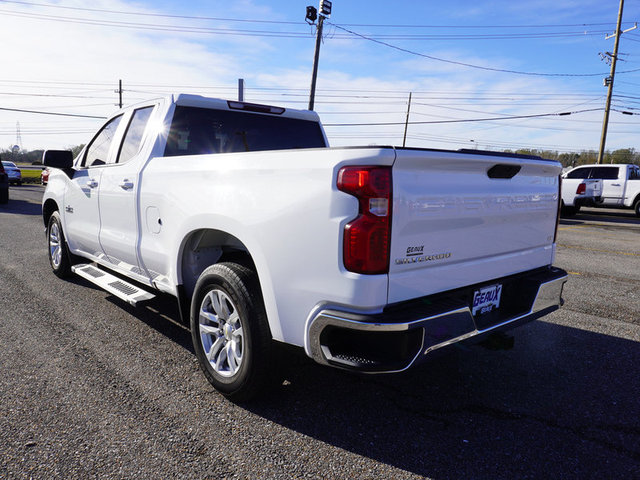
367,238
582,188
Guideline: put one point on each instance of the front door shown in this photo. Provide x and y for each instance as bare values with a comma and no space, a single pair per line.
82,216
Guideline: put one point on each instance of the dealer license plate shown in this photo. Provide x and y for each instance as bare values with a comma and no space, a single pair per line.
486,299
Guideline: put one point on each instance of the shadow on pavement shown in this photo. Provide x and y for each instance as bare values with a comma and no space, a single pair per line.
562,404
609,215
20,207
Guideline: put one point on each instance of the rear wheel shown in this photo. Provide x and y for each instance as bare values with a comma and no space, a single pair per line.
4,195
59,257
636,207
230,332
566,211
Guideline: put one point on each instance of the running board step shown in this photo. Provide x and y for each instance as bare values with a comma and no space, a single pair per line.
112,284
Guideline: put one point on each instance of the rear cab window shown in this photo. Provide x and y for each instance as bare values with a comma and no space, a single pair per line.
196,130
605,173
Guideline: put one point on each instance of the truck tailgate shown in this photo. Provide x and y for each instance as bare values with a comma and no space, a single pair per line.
464,218
594,187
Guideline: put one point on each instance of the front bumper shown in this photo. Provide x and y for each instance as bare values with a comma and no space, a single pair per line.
405,334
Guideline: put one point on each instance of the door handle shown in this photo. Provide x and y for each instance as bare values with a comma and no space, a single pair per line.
615,184
92,183
126,184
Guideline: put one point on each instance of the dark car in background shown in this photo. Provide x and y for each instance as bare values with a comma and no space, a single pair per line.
4,185
14,173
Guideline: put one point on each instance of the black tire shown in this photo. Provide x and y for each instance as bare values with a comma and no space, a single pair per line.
568,211
636,207
59,257
20,183
4,195
241,358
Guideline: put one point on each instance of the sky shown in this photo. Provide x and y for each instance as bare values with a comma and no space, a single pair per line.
494,74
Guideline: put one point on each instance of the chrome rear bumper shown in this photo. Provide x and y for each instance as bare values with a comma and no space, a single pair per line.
395,340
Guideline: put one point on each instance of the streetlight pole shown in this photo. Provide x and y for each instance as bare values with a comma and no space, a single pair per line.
325,11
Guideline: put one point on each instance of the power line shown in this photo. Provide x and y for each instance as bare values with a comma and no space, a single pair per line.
466,120
50,113
268,33
283,22
147,14
162,28
469,65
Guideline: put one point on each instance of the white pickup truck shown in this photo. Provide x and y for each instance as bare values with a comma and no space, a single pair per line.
620,183
367,258
580,192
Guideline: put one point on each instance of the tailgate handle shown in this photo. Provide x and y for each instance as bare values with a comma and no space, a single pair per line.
503,171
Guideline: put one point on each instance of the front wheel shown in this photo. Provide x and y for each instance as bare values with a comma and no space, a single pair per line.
59,257
230,332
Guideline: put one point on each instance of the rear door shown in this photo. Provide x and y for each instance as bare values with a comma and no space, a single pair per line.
460,219
118,195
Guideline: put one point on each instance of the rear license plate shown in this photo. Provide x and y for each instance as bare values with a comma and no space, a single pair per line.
486,299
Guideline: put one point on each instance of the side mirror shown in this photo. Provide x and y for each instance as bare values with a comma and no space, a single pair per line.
58,158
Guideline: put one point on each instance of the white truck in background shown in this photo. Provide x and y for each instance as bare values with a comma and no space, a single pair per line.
368,259
578,192
620,183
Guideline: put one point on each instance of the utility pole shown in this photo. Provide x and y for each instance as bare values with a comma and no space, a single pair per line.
609,81
312,14
406,123
241,89
119,92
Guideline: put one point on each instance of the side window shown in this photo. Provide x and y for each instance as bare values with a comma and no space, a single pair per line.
634,173
98,149
133,137
579,173
605,173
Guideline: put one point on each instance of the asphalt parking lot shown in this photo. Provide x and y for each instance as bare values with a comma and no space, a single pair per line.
92,388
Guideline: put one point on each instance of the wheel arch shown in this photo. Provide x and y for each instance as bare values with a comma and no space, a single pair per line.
636,204
48,208
205,247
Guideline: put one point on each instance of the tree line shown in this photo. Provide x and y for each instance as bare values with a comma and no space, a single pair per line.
586,157
30,157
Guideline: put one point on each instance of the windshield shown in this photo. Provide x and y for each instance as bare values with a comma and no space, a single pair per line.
8,164
201,130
